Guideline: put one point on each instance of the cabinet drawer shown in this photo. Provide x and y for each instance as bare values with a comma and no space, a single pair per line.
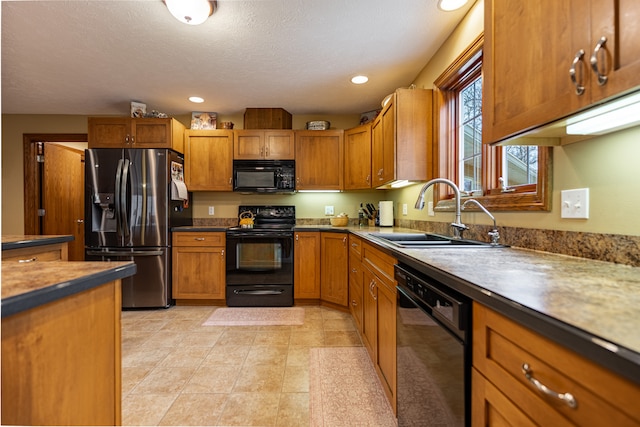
355,246
379,262
502,347
54,252
198,239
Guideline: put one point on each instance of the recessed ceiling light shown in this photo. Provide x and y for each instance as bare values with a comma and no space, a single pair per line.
450,5
196,99
358,80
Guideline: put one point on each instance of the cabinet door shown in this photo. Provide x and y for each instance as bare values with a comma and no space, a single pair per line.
209,160
620,55
279,145
377,152
319,160
528,49
370,314
109,132
307,265
357,158
384,145
334,275
356,279
248,144
151,133
386,328
198,272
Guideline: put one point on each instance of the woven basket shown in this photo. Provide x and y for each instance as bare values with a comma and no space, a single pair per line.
339,221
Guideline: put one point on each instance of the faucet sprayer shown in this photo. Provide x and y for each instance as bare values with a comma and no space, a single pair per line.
495,236
458,226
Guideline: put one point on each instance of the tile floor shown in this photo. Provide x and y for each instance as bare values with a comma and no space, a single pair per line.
177,372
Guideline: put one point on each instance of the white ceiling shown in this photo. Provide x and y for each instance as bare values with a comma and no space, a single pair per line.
94,57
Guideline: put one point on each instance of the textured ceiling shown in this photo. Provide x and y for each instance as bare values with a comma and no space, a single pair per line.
94,57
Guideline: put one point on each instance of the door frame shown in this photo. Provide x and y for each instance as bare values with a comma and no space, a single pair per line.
32,190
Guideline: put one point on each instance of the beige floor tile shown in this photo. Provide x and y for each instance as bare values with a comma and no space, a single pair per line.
267,355
165,338
237,337
185,357
213,379
273,337
202,338
293,410
182,325
195,410
250,409
227,355
342,338
260,379
145,409
131,376
298,355
144,356
296,379
132,339
164,380
332,324
314,338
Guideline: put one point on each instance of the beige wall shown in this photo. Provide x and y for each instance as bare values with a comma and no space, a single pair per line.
606,165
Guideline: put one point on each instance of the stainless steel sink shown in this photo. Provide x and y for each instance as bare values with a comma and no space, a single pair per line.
428,240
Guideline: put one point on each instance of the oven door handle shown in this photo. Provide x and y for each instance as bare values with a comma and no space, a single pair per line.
252,234
258,292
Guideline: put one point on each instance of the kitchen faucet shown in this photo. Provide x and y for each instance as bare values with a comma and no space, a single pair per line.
495,236
457,225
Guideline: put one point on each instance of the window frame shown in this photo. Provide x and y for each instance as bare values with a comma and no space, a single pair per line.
529,197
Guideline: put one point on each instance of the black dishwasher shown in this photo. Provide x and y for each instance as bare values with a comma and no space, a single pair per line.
433,352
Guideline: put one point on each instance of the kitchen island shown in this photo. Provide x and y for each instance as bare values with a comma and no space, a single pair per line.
30,248
61,342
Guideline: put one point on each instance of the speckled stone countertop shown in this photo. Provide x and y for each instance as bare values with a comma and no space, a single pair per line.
592,307
29,285
26,241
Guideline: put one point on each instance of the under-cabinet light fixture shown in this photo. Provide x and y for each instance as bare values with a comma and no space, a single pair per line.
192,12
451,5
400,183
615,115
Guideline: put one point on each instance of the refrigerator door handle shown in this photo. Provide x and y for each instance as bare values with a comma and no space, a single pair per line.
124,198
111,253
118,198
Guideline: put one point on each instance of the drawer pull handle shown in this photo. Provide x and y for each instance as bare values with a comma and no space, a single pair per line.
565,397
199,239
28,260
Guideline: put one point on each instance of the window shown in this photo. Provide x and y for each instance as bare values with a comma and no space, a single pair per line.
501,178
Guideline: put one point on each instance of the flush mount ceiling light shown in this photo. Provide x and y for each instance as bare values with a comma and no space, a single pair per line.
451,5
196,99
192,12
358,80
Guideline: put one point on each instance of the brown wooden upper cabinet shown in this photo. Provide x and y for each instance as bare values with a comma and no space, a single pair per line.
319,159
357,157
402,138
127,132
208,160
531,49
264,144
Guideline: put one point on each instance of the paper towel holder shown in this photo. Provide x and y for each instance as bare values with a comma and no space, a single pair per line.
385,213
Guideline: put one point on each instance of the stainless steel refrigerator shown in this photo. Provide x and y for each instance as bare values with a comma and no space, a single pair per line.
131,203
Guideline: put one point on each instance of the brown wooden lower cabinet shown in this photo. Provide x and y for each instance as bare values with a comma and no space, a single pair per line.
61,362
505,353
334,268
52,252
306,276
199,266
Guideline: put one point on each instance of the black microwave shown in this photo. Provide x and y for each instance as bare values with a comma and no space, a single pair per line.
264,176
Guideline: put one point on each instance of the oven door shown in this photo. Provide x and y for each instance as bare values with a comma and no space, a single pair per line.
259,268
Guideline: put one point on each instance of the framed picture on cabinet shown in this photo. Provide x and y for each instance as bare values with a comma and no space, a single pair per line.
138,109
203,120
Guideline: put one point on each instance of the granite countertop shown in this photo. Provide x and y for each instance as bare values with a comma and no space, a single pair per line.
29,285
26,241
590,306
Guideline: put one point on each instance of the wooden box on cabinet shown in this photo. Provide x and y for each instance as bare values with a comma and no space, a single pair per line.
264,145
501,388
319,159
127,132
306,276
198,266
267,118
402,138
208,160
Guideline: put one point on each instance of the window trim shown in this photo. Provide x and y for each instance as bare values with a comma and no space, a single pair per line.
525,197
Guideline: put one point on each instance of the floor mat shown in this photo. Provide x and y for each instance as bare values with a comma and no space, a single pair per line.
256,316
344,389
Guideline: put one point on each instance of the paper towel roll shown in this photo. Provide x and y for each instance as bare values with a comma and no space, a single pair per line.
385,208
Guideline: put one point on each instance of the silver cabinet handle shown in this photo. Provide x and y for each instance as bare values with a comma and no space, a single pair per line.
222,253
354,270
564,397
80,221
572,72
28,260
199,239
602,78
354,303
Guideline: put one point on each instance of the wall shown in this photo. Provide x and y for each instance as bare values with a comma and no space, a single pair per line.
606,165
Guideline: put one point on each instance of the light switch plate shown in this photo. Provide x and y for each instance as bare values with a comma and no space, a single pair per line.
575,203
404,209
211,210
328,210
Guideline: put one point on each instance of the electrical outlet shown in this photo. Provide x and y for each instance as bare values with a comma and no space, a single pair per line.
404,209
575,203
211,210
328,210
430,209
